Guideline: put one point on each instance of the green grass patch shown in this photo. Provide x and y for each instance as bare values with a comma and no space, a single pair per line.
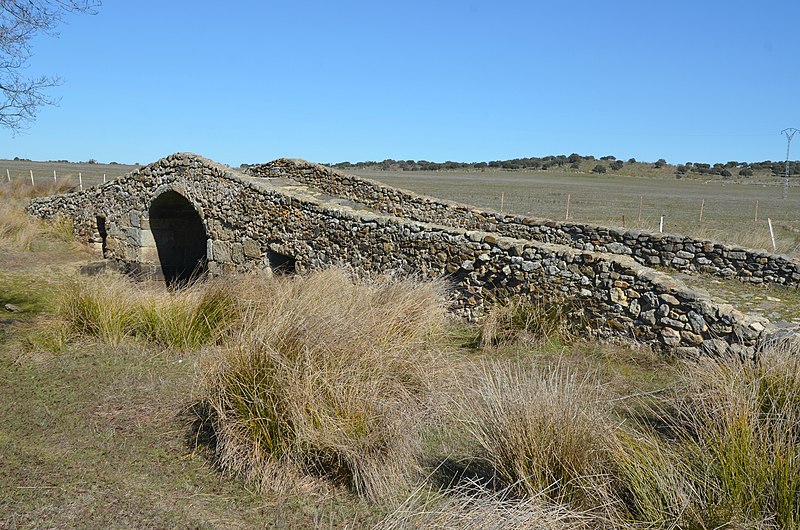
114,309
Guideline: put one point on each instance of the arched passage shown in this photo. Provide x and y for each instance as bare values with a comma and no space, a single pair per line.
180,237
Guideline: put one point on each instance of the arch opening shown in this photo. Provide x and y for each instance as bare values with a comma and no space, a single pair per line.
180,238
102,232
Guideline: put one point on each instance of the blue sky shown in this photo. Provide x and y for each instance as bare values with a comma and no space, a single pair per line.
250,81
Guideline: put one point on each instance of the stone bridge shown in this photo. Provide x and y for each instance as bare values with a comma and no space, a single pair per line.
185,215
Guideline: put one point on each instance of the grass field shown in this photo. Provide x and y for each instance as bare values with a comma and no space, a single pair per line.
91,174
729,205
728,212
320,402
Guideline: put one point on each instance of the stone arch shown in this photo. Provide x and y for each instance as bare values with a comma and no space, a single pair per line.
180,237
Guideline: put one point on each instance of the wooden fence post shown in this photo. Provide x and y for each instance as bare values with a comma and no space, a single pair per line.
772,234
566,217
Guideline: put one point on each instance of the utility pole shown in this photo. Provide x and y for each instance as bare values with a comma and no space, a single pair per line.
789,133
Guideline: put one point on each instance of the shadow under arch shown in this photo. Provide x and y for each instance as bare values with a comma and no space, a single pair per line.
180,238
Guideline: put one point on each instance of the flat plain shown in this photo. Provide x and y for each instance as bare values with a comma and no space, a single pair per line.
102,433
90,173
729,206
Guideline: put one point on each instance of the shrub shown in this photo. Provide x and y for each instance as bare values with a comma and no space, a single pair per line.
742,419
113,308
472,507
541,431
527,320
326,378
599,168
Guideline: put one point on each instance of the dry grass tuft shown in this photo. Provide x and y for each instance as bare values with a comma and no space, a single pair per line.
528,321
542,431
18,231
327,378
740,422
190,318
113,308
103,307
471,507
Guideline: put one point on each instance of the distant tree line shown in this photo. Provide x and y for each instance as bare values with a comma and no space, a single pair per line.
545,162
573,161
65,161
743,169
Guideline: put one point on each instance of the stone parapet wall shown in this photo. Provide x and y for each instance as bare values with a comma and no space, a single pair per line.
672,251
246,221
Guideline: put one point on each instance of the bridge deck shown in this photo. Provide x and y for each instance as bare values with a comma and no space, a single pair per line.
287,184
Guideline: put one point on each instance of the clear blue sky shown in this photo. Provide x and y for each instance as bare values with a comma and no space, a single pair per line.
250,81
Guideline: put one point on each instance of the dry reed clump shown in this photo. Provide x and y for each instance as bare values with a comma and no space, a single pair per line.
526,320
740,423
327,378
725,454
18,230
471,507
542,431
187,319
104,307
112,308
652,483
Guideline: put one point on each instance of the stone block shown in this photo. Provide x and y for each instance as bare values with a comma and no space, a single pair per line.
221,252
251,249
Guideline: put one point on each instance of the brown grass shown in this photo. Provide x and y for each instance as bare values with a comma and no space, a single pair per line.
113,309
528,322
18,231
541,430
471,507
327,378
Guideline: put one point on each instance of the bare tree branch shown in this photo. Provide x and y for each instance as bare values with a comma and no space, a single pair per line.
21,20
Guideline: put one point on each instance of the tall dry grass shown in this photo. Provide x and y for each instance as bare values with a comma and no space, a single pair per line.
527,321
327,378
740,422
471,507
104,307
113,309
541,431
721,450
18,231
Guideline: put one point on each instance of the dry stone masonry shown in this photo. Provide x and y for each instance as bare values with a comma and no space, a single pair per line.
655,250
185,213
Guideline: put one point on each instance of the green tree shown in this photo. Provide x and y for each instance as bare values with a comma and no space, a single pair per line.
599,168
660,162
